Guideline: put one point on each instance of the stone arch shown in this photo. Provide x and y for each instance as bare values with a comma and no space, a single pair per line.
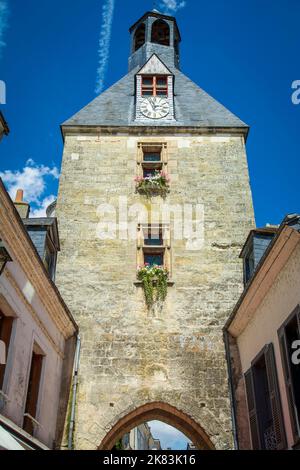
162,412
160,33
139,37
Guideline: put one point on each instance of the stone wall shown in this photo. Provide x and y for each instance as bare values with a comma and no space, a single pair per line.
175,354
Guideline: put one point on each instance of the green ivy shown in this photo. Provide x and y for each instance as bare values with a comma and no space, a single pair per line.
155,283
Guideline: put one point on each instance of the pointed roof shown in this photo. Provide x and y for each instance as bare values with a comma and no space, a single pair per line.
154,65
193,107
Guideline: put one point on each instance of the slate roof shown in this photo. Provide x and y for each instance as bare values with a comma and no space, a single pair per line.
193,107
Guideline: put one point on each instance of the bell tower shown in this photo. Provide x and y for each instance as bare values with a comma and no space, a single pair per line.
154,33
154,206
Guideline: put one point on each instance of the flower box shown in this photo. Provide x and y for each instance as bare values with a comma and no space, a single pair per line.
156,184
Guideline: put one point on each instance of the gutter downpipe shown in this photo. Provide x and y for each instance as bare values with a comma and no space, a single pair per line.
75,385
232,398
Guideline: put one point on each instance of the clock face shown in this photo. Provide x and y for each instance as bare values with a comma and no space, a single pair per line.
155,107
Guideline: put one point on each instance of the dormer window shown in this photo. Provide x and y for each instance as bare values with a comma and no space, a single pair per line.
50,258
154,86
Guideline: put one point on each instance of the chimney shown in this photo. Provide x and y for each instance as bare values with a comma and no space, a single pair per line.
22,207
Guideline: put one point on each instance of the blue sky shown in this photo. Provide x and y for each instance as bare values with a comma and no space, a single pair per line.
168,436
245,54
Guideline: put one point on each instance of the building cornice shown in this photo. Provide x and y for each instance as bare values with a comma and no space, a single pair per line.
270,266
23,251
153,130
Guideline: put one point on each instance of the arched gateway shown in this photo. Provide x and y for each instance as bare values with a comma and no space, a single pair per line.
161,412
153,149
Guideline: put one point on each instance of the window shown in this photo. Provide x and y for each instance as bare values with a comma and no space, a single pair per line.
160,33
6,324
50,258
151,159
153,85
264,405
139,37
154,245
33,391
288,333
248,266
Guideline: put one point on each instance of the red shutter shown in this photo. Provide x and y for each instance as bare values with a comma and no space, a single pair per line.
274,394
253,420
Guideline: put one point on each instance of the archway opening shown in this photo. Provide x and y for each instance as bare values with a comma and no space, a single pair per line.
154,435
160,33
140,37
156,411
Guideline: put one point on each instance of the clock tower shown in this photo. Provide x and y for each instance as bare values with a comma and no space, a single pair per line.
154,206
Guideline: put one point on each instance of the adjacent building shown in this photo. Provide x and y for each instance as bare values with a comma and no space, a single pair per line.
140,438
263,340
37,332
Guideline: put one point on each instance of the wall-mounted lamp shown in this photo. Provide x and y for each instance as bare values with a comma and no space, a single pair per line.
4,257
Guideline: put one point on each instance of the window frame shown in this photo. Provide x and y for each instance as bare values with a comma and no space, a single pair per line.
164,249
151,147
38,351
250,380
9,313
286,368
154,88
50,248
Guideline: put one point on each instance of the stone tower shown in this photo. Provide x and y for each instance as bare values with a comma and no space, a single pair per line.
164,361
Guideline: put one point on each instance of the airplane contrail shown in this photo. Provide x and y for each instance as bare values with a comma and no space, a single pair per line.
3,23
104,43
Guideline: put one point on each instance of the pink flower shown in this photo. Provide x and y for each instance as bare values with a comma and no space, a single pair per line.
138,178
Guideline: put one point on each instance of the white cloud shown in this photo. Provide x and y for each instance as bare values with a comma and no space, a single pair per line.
104,43
3,23
33,180
41,210
169,436
171,6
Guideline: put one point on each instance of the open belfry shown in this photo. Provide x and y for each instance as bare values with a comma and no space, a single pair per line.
154,179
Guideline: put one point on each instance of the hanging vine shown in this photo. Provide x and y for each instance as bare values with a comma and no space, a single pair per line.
155,283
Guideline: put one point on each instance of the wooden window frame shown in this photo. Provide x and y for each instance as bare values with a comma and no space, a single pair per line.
33,391
148,147
154,88
164,249
274,396
6,336
50,247
289,386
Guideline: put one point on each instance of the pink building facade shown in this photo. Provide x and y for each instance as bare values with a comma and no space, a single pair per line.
263,341
37,332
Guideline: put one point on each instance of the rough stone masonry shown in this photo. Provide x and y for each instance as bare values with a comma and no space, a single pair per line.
174,354
131,356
